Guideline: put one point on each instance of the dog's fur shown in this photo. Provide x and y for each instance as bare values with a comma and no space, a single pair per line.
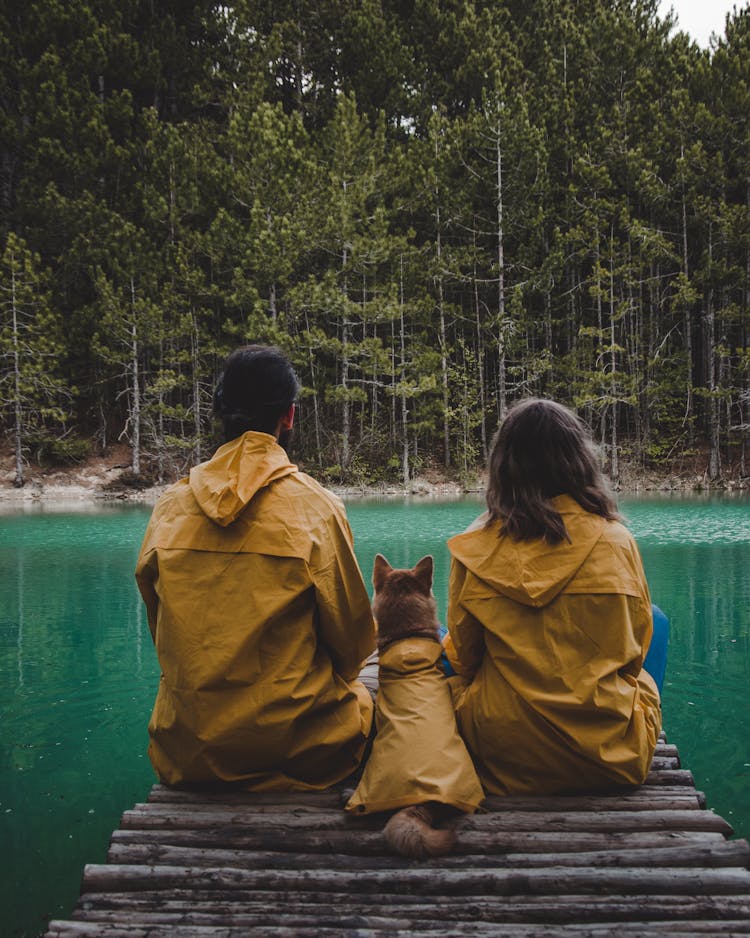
404,607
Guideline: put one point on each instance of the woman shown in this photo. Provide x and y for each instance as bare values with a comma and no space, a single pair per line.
550,619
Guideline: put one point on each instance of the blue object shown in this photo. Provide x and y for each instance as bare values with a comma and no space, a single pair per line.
656,659
447,666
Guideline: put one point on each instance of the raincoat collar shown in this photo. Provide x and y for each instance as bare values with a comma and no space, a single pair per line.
410,654
239,469
530,572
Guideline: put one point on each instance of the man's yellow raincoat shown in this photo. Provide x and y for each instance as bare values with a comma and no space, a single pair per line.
261,621
548,643
417,755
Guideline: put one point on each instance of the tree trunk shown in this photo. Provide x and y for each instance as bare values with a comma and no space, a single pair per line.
316,414
272,287
135,391
404,408
480,362
346,415
197,422
443,345
614,461
687,316
714,459
502,381
19,480
599,320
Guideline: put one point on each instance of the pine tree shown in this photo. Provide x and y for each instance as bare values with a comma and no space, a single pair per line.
35,398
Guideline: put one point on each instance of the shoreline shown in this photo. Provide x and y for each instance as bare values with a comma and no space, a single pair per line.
100,487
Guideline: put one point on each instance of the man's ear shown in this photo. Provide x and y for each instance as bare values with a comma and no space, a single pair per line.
381,569
286,421
423,572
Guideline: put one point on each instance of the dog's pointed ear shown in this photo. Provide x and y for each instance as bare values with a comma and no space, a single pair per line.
423,572
380,571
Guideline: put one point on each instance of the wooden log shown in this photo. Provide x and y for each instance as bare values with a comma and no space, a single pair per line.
118,930
288,801
502,909
218,816
628,799
548,881
600,821
671,777
728,854
371,843
162,795
662,763
631,799
637,800
319,919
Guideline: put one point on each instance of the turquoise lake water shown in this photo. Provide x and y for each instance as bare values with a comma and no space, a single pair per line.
78,672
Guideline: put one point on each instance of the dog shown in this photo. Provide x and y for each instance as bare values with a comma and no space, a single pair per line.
418,764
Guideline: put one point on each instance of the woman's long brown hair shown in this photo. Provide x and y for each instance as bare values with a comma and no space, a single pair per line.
542,450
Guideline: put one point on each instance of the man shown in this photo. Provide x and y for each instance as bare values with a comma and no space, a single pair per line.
256,605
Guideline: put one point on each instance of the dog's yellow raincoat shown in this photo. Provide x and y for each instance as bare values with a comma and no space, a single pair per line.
417,755
261,621
549,642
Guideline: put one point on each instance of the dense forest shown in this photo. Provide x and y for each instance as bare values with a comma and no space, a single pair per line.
436,207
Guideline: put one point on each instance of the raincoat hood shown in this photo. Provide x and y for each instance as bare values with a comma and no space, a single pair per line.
239,469
529,572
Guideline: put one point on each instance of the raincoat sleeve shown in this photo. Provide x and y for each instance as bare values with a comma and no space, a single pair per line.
146,572
345,619
464,643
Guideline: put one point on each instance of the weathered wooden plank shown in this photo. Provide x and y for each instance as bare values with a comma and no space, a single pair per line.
328,798
660,763
502,909
605,930
632,799
548,881
671,777
212,816
637,800
727,854
658,796
371,843
320,919
600,821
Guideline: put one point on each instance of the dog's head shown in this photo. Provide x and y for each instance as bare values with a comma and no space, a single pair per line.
403,605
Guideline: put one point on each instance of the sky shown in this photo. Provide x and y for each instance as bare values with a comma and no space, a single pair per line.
700,18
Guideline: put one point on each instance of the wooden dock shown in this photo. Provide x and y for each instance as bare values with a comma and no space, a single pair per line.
639,862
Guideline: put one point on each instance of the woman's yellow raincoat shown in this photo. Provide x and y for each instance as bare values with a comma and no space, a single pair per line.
548,643
261,621
417,754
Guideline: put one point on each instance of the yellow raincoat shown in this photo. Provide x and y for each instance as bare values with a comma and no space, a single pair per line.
417,755
261,621
548,643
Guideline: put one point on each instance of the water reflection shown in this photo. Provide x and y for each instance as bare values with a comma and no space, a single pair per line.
77,675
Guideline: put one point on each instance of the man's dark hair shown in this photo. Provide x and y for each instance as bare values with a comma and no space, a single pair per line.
258,385
541,450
